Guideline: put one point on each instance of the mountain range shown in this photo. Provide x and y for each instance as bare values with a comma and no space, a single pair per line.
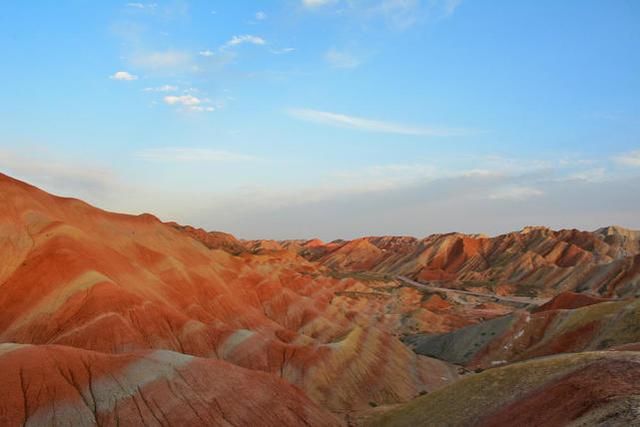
113,319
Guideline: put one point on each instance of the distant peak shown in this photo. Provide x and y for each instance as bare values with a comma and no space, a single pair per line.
616,230
313,243
532,228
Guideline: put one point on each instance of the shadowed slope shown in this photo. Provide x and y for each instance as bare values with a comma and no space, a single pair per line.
522,335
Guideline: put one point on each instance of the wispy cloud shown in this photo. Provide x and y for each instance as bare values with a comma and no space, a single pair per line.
163,60
399,14
380,177
216,59
142,5
58,174
341,59
515,193
628,159
317,3
123,76
404,14
588,175
261,16
190,154
245,39
163,88
396,199
418,209
358,123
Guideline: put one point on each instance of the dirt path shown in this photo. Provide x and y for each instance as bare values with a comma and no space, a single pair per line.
513,299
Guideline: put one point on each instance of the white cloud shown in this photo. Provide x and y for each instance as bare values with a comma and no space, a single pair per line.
516,193
261,16
245,39
123,76
163,88
206,52
317,3
186,100
191,103
341,59
142,5
190,154
350,122
628,159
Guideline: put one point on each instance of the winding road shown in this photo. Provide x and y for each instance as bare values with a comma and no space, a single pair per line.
511,299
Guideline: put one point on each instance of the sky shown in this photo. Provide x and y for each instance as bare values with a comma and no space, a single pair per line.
329,118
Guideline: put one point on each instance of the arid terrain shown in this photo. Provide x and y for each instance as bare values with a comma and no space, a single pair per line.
118,320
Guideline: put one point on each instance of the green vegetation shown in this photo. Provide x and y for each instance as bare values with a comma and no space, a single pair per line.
463,402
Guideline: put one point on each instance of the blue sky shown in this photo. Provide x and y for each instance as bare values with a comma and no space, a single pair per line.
330,118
